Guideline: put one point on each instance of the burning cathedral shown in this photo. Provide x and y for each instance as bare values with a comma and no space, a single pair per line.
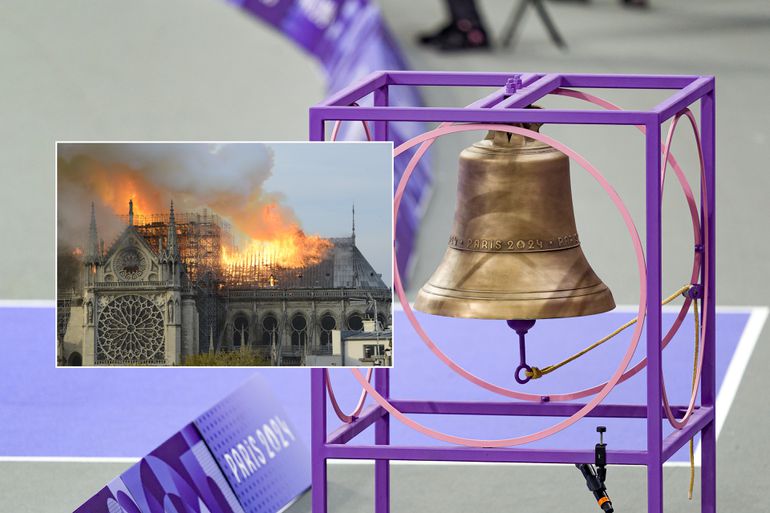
172,286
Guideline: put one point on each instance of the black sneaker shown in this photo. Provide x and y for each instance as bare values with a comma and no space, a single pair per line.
464,35
434,38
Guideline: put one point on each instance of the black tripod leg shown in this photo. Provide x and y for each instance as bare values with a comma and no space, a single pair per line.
549,24
514,23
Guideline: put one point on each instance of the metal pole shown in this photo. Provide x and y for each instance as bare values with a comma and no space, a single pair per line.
381,376
512,26
318,440
708,383
654,413
382,437
319,500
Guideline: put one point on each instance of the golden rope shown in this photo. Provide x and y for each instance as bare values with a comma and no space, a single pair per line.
536,372
694,384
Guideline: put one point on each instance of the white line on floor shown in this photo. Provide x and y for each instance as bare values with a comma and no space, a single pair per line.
737,367
66,459
27,303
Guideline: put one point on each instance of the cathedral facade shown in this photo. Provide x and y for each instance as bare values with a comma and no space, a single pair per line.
160,295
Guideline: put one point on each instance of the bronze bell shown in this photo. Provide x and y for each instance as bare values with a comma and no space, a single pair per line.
514,251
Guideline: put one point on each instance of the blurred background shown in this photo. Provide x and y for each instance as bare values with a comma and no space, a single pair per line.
210,70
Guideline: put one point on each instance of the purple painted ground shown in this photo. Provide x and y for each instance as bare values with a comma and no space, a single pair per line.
98,412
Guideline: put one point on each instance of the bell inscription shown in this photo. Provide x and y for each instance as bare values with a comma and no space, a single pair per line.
514,245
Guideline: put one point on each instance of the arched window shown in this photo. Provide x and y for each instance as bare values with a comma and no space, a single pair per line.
240,331
75,360
269,329
298,330
328,323
355,322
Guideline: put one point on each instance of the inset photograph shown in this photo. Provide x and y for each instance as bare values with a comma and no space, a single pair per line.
224,254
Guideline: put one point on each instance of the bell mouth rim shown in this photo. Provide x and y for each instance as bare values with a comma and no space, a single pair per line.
491,295
496,309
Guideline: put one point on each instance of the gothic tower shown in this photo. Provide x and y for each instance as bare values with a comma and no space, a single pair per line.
91,265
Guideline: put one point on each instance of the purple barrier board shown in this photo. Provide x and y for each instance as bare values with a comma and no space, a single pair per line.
180,476
241,456
256,446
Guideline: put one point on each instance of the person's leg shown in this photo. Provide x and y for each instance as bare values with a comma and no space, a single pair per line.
464,10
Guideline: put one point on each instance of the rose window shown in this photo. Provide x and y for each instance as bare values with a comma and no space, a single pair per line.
131,264
130,329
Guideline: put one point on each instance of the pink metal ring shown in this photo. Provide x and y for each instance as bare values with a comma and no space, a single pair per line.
680,423
344,417
668,158
413,320
337,124
347,419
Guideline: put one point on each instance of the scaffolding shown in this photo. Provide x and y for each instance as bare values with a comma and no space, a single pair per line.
201,238
255,271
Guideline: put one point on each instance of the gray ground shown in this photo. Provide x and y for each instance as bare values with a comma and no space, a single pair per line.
201,70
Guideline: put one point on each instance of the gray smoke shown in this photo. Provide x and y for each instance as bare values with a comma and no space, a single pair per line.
226,178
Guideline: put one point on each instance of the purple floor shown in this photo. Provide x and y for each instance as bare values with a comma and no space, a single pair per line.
100,412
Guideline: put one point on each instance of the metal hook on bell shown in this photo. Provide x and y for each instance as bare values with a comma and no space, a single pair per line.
521,327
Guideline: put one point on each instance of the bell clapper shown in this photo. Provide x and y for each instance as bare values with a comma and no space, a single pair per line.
521,327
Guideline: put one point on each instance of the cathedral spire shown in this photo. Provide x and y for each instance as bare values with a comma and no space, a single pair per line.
354,224
130,212
92,253
173,250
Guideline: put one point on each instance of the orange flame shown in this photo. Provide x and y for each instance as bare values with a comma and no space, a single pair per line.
274,238
291,250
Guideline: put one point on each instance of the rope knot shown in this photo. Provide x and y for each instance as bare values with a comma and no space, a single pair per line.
535,373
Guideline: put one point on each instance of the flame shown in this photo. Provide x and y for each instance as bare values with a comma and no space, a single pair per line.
78,252
273,239
290,250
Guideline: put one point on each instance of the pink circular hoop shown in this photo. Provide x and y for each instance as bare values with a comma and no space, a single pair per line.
669,158
695,217
337,124
633,233
347,419
344,417
680,423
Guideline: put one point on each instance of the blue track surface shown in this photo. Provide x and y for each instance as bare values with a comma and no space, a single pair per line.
102,412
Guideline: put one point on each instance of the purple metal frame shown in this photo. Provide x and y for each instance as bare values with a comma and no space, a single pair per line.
500,107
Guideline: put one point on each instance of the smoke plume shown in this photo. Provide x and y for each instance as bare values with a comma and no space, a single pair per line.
225,178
